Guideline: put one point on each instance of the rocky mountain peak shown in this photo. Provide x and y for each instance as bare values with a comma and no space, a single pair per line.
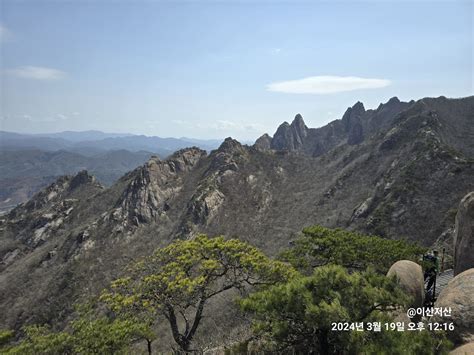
354,112
191,151
352,121
299,125
187,157
290,137
264,142
65,187
231,146
151,186
356,125
208,198
393,100
227,156
298,120
81,178
393,104
359,106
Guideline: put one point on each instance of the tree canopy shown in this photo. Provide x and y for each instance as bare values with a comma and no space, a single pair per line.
341,278
86,335
177,281
318,246
300,314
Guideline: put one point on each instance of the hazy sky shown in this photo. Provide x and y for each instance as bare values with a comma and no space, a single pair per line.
214,69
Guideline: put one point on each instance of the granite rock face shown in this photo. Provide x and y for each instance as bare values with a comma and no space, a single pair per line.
147,195
464,235
46,216
263,142
356,125
290,137
352,121
466,349
208,198
459,296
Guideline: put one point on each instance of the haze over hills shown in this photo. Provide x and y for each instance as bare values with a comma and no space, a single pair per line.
97,141
29,162
79,136
398,171
25,172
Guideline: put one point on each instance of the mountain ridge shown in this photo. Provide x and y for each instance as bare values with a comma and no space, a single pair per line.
352,128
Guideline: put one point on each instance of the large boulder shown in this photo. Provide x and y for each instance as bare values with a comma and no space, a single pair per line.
464,235
466,349
459,296
410,278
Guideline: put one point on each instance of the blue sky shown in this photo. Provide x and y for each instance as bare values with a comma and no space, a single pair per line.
214,69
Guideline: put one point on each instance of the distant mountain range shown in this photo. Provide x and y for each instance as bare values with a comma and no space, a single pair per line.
29,162
25,172
93,142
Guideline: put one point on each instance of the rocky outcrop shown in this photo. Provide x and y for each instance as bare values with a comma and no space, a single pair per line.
227,157
146,196
352,121
60,193
355,134
356,125
64,187
410,278
205,204
81,178
459,296
263,142
464,235
384,116
466,349
231,146
208,198
290,137
47,215
299,127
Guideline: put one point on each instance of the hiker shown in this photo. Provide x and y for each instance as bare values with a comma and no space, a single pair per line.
432,269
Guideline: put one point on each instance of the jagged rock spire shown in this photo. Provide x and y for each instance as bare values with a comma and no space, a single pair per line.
290,137
299,126
352,121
